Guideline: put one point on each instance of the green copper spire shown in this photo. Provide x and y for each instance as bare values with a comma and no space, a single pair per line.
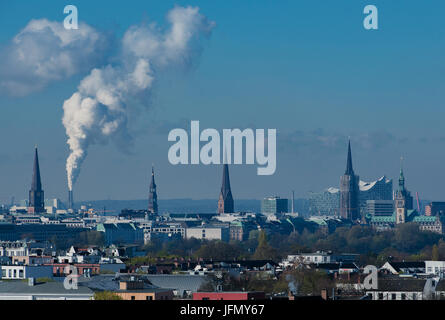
401,176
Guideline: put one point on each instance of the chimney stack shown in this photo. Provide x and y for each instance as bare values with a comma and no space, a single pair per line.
70,200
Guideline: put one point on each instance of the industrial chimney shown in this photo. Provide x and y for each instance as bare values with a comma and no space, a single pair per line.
70,200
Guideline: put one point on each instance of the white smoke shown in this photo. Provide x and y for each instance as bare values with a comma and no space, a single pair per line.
44,51
97,112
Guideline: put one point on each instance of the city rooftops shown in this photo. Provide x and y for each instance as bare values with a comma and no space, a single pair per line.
21,287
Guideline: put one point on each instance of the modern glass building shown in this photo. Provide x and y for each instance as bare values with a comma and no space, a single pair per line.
380,207
274,205
380,189
326,203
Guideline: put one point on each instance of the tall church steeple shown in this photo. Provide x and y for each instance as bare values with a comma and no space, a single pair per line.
36,194
349,191
349,169
401,176
225,202
152,195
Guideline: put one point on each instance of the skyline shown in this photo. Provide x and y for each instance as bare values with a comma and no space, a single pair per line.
36,184
317,77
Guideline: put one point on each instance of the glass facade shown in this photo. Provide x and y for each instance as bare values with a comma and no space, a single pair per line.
274,205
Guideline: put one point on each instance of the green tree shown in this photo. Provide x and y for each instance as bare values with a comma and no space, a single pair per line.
264,251
106,295
218,250
435,253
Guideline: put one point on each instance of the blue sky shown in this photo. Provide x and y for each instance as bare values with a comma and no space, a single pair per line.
307,68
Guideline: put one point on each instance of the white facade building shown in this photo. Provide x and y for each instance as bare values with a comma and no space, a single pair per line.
23,272
435,267
209,233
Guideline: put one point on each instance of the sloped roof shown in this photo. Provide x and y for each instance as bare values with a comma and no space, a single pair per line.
20,287
398,266
401,284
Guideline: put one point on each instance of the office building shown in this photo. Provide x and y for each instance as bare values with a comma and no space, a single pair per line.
274,205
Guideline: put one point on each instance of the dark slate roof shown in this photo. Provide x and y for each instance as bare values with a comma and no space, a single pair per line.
243,263
401,284
110,282
408,265
327,266
349,170
336,266
225,188
36,184
21,287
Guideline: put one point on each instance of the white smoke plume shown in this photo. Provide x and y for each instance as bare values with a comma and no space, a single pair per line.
44,51
97,112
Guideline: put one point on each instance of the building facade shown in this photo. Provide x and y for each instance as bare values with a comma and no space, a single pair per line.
325,203
274,205
403,200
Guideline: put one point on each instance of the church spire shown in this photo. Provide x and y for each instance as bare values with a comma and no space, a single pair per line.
152,195
349,191
401,176
36,183
349,170
225,202
36,195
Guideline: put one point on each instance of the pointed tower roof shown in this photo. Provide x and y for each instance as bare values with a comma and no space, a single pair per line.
36,184
152,182
349,170
225,187
401,176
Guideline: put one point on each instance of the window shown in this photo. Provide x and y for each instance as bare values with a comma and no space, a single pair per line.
403,296
148,298
133,298
380,296
393,296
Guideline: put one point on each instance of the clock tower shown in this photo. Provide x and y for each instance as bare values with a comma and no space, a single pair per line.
403,200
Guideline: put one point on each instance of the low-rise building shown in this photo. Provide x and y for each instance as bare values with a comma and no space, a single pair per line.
14,272
435,267
399,288
135,290
208,232
121,233
405,267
